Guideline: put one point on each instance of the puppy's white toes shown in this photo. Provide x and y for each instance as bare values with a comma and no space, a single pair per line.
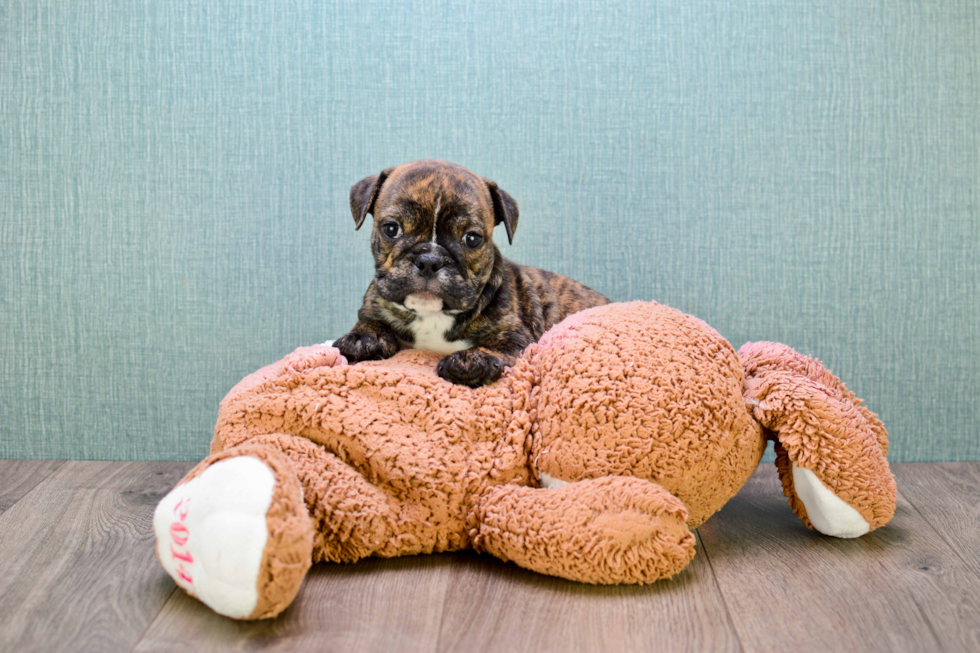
828,513
211,533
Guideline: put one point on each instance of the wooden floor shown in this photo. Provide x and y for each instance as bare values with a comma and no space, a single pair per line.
78,573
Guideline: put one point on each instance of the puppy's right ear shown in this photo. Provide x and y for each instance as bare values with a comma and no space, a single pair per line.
363,195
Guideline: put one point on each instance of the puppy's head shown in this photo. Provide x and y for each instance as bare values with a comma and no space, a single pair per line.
431,240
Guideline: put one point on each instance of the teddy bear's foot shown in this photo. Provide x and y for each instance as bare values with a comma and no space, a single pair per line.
211,533
830,449
828,513
236,533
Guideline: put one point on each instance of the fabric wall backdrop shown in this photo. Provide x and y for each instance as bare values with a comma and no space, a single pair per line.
173,188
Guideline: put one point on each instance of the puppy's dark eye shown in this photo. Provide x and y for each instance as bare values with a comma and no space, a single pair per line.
391,229
473,239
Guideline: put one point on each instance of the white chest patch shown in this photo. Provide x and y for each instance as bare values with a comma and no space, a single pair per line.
431,325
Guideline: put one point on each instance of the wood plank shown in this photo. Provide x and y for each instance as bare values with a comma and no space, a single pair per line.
900,588
495,606
18,477
373,605
947,495
79,570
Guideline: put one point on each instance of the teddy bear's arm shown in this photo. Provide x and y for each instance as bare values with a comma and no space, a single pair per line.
608,530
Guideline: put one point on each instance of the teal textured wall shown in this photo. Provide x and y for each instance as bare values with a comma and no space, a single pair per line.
173,187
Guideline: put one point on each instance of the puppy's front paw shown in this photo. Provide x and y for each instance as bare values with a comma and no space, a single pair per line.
471,367
359,346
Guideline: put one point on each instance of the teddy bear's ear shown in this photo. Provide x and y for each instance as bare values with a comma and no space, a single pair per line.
363,195
504,209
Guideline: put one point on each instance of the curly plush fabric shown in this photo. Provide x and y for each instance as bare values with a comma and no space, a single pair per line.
413,451
821,426
591,459
657,396
606,530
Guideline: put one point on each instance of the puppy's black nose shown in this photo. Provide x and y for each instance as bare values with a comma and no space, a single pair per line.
429,264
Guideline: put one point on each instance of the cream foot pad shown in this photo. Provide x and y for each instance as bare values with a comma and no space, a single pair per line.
827,512
211,533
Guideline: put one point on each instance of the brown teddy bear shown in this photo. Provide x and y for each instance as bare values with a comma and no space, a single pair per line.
591,459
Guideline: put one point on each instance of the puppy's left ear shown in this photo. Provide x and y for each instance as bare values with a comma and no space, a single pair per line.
363,195
504,209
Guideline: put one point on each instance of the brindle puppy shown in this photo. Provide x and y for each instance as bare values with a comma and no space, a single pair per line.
441,284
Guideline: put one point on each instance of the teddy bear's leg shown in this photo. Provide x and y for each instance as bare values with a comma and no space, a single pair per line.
830,449
607,530
235,532
243,527
351,517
